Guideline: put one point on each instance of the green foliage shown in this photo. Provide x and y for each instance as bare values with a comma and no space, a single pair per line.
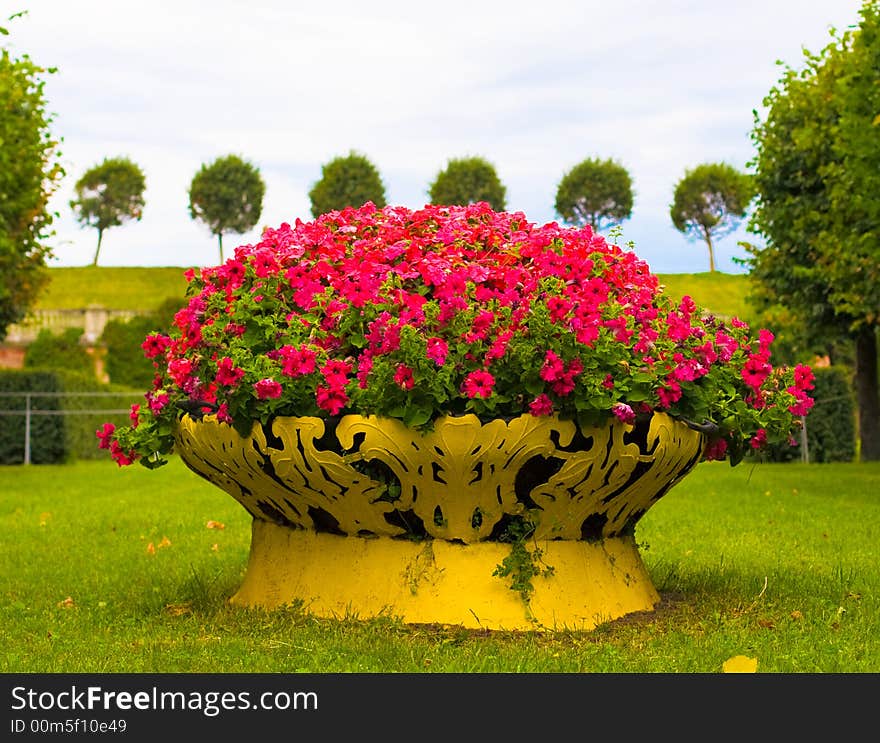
61,351
831,434
227,196
30,172
351,180
817,170
468,180
793,149
522,564
56,438
125,361
709,202
595,192
109,194
795,341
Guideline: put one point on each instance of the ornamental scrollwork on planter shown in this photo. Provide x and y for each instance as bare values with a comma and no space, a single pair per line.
461,480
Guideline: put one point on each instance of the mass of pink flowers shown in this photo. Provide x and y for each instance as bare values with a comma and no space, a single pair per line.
452,310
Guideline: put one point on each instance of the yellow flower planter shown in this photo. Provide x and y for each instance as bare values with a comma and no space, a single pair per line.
368,517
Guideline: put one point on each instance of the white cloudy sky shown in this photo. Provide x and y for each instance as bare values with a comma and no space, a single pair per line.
659,85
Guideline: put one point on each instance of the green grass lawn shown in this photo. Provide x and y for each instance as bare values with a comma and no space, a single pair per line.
775,562
134,288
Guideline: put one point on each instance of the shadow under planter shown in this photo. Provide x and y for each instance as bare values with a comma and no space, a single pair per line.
520,524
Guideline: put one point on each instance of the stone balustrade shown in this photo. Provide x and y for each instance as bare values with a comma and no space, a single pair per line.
91,319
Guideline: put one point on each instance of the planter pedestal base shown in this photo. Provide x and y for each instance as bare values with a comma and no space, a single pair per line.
439,582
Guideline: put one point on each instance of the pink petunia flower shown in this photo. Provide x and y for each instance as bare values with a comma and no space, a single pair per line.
228,375
403,377
437,350
623,412
268,389
104,435
541,405
331,399
759,440
478,383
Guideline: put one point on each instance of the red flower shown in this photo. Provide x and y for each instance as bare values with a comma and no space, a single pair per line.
624,412
803,402
803,377
437,350
297,362
331,399
267,389
541,405
755,371
154,345
403,377
715,450
478,383
553,368
336,372
104,434
759,440
228,374
157,402
122,458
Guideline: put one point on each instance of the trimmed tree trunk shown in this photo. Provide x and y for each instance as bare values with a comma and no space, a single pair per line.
98,249
708,236
867,393
220,243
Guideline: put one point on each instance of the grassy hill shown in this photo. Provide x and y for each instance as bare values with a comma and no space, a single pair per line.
721,293
145,288
116,288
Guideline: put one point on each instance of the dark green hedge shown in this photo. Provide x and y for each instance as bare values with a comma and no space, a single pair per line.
125,363
59,351
57,438
831,424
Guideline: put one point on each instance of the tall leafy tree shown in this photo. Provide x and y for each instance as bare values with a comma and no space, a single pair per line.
108,195
350,180
817,173
709,202
468,180
30,173
595,192
227,196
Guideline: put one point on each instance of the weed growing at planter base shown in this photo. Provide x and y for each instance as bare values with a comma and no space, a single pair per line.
776,562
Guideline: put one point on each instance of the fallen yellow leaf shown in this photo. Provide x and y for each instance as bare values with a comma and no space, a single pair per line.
797,615
44,518
740,664
151,550
67,603
177,610
166,542
215,525
215,547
